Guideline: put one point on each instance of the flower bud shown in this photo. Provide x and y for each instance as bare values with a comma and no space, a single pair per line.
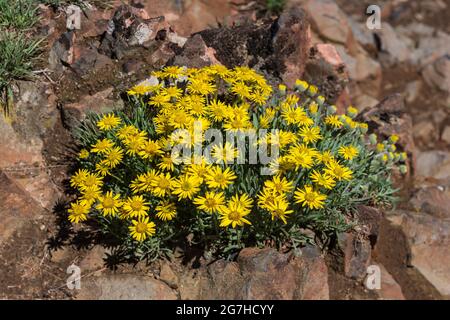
394,138
320,100
282,89
352,111
301,85
331,109
373,139
403,169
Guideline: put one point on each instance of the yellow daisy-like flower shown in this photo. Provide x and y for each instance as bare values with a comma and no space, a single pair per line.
113,157
241,89
166,210
92,179
334,121
324,180
134,145
186,186
243,201
141,229
234,215
339,172
201,87
162,184
309,197
172,92
168,162
199,170
136,206
159,100
267,197
102,146
83,154
279,209
102,169
348,152
109,204
78,211
108,122
224,153
212,202
217,178
140,89
300,158
216,110
292,115
279,185
90,195
77,180
172,72
310,134
324,157
143,182
150,149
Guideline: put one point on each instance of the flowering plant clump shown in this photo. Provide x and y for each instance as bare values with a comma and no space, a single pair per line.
162,169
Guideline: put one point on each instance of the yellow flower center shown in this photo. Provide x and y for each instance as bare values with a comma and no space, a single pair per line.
108,203
163,183
141,227
234,215
136,205
220,178
210,203
186,186
90,181
310,196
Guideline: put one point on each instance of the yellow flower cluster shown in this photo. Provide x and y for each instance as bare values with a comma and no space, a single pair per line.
132,174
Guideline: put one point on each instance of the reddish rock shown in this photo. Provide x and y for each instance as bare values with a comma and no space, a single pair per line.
429,240
16,207
357,251
328,20
390,289
291,44
124,287
102,101
326,69
196,54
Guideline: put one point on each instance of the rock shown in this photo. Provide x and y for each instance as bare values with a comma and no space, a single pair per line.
326,69
430,48
364,101
369,222
260,274
196,54
357,250
362,35
412,91
100,102
390,289
425,132
291,45
432,199
124,287
127,29
89,59
167,275
277,48
392,44
94,260
431,164
445,136
429,239
437,74
62,52
16,207
328,20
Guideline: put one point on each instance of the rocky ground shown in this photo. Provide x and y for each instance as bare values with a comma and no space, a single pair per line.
399,76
